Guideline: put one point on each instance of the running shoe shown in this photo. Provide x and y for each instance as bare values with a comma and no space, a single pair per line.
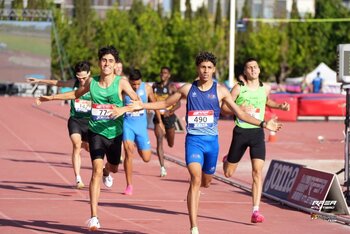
108,181
257,217
93,224
128,190
163,172
224,159
80,185
194,230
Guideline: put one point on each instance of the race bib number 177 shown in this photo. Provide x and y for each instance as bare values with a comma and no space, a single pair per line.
101,111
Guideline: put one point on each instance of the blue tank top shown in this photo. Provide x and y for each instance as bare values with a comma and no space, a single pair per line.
136,116
203,111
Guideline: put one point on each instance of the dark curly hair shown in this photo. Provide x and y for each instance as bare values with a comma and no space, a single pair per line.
82,66
109,50
204,57
135,74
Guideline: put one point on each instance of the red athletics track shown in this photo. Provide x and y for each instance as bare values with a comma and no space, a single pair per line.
37,193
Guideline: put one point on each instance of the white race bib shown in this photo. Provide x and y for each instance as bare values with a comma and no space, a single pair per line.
82,106
101,111
200,119
255,114
135,113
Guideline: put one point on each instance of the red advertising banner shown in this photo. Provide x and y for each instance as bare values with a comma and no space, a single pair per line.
310,187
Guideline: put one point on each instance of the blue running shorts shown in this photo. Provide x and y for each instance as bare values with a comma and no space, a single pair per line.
137,134
203,150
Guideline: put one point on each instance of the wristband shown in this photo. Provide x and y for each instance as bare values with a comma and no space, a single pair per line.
262,124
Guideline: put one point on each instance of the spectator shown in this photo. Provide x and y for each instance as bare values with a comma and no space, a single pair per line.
317,83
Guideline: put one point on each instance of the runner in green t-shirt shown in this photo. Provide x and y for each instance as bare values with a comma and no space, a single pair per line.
106,122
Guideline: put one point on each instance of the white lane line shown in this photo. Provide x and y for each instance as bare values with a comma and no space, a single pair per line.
19,224
67,182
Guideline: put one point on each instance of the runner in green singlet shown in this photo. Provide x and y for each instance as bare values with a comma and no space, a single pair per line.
252,96
106,122
79,114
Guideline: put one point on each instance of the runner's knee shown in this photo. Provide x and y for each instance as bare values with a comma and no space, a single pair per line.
113,168
228,172
196,181
170,144
206,180
146,158
206,184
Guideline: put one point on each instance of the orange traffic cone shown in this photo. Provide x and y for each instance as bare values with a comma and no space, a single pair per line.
272,136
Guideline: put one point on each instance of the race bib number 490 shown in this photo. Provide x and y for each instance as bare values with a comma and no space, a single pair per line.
101,111
200,119
82,106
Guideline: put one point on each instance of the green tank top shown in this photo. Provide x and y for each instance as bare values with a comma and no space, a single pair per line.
102,101
255,98
81,107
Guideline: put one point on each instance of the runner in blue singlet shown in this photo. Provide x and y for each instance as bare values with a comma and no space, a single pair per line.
204,97
202,116
135,127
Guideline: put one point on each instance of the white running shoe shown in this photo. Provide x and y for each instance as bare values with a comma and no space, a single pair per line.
80,185
194,230
163,172
93,224
108,181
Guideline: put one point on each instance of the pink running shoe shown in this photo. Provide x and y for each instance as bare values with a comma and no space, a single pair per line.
257,217
128,190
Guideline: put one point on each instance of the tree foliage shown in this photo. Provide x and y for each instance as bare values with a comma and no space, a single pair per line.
188,11
175,6
148,39
218,16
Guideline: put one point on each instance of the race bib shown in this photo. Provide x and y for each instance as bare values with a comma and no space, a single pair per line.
82,106
135,113
255,114
101,111
200,119
163,111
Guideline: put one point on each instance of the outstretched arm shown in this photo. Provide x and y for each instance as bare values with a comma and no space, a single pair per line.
152,98
234,93
66,96
126,88
171,100
173,89
58,83
272,124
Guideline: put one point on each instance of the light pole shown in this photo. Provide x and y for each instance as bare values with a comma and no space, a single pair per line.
231,73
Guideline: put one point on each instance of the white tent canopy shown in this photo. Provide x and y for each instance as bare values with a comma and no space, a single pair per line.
330,84
329,76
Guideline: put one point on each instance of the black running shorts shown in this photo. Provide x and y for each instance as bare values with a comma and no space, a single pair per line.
243,138
169,122
101,146
79,126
